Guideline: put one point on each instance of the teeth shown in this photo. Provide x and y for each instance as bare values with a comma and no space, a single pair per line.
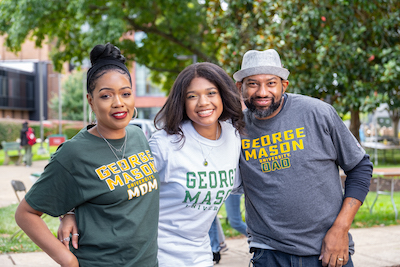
205,112
119,114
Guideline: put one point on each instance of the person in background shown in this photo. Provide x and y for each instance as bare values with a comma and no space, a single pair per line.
296,211
24,143
234,216
107,173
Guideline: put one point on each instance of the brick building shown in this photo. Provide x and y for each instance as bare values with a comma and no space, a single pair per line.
20,84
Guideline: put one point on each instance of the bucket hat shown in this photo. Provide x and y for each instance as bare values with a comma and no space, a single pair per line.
261,62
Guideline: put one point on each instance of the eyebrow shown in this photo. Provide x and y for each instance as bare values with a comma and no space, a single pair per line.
111,89
210,88
254,80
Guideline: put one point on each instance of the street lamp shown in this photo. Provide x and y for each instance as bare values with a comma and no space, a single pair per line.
41,149
59,75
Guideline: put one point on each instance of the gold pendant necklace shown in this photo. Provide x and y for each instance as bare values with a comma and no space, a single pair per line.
205,162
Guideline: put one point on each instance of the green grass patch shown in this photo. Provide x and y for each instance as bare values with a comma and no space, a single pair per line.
382,213
22,243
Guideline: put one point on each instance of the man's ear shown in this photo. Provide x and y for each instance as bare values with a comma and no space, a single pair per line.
285,84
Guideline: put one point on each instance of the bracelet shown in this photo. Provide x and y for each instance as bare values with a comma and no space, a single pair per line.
71,212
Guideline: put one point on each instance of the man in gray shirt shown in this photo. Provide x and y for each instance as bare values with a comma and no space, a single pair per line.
296,211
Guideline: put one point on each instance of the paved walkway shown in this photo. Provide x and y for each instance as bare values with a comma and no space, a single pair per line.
375,247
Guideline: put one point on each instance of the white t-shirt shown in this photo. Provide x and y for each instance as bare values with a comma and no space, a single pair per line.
190,192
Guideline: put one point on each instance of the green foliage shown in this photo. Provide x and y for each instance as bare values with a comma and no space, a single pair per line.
10,131
335,50
72,97
172,27
339,51
70,132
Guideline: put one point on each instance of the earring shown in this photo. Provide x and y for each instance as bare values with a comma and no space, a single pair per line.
136,114
92,122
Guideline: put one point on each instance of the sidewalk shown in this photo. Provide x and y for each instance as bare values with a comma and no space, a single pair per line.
12,172
375,247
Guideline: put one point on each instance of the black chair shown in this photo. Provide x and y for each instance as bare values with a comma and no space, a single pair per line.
18,186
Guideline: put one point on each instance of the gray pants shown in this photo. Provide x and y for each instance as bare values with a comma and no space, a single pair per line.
28,155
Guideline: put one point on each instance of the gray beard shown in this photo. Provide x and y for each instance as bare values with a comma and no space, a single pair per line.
262,113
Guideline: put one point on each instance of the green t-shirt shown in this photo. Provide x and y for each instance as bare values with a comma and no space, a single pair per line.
117,202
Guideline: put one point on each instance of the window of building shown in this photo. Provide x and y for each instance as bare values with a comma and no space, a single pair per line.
16,90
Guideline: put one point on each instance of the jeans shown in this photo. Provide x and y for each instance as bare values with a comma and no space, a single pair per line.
232,206
215,237
274,258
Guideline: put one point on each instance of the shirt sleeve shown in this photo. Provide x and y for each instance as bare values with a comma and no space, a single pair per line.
238,183
56,192
160,156
358,179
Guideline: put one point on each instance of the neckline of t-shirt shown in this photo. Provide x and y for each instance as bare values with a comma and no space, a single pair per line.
119,141
194,134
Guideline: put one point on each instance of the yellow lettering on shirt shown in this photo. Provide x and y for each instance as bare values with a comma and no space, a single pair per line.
103,172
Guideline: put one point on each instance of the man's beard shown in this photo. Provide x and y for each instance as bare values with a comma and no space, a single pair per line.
262,113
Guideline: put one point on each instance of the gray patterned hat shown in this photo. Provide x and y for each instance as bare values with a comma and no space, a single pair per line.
261,62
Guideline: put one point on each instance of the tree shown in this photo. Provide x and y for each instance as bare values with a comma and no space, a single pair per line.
173,27
335,49
332,48
389,73
72,97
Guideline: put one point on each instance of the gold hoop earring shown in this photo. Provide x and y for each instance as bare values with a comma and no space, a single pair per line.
136,114
92,122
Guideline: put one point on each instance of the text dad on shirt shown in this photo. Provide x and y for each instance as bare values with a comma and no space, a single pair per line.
273,151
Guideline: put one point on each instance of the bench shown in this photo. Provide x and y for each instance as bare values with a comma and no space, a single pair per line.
12,151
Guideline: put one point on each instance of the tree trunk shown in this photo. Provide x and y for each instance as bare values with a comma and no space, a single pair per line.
355,123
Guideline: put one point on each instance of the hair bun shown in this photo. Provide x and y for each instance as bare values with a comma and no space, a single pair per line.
106,51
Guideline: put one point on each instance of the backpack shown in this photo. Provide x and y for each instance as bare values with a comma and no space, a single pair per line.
30,135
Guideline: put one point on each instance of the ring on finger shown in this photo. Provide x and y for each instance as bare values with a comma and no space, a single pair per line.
66,239
76,234
340,259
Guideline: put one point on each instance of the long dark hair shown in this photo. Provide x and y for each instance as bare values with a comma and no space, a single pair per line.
173,113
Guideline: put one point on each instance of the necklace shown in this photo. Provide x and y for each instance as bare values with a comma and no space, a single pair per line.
112,148
205,162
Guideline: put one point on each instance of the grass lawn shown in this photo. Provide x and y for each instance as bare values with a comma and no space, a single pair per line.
8,227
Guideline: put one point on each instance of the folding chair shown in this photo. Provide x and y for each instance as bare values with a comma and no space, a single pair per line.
18,186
